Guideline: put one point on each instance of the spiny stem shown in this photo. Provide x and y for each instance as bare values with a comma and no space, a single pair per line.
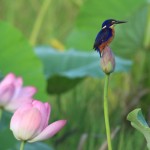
38,22
22,145
106,114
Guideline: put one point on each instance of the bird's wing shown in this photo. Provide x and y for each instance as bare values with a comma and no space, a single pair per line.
102,37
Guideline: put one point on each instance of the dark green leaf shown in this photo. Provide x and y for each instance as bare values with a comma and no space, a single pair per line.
7,140
5,120
59,84
17,56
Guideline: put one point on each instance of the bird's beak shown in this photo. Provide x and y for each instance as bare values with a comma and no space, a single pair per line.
118,22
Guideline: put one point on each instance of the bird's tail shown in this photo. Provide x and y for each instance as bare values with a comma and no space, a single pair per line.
98,50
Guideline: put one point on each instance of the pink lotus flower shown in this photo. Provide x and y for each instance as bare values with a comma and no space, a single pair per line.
30,122
12,94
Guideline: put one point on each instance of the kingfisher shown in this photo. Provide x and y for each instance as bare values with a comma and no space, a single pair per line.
105,35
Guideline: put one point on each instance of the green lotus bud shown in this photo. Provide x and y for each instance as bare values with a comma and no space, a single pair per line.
107,61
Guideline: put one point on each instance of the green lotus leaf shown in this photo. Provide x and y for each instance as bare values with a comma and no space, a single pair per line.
64,70
138,121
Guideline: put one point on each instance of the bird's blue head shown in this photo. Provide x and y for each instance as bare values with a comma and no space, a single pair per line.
110,23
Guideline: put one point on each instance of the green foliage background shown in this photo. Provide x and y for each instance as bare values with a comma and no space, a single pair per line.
74,24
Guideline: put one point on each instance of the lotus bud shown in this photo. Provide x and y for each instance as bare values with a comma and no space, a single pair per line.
107,61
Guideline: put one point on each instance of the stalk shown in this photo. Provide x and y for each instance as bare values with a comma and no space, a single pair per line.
22,145
106,113
38,22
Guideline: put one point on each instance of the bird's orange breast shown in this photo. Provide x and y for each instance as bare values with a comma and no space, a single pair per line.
104,44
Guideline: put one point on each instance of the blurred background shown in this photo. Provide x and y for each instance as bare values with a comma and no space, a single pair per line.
50,44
